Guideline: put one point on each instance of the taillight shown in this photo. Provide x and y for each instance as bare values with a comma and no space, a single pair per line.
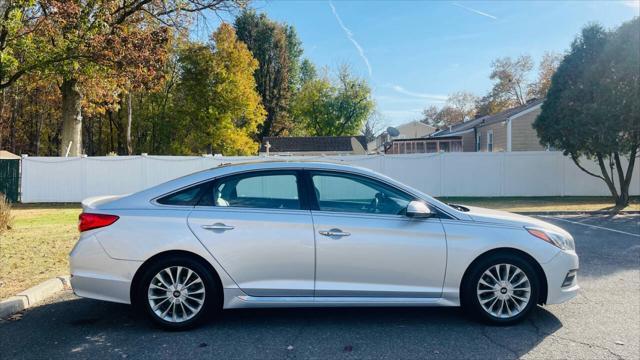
93,221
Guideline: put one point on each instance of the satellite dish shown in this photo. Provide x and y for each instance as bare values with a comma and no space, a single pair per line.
393,132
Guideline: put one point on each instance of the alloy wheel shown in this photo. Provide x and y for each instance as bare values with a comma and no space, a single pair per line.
504,290
176,294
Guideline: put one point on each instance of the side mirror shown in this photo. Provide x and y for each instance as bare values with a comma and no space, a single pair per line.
418,209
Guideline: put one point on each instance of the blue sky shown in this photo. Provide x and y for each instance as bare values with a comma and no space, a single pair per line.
414,53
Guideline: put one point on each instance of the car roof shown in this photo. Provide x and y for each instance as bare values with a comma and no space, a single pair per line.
144,197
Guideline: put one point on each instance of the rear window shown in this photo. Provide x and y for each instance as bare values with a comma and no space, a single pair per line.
185,197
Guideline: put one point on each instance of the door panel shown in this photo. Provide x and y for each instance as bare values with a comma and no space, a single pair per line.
266,252
366,246
381,255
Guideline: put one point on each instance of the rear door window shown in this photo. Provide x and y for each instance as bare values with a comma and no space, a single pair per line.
270,190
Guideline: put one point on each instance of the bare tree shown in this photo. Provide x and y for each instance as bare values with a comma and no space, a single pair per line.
373,126
510,78
464,103
546,69
460,106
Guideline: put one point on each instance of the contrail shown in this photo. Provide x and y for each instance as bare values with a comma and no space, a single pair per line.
351,38
435,97
475,11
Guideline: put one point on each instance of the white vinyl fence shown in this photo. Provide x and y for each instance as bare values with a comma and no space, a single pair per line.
536,173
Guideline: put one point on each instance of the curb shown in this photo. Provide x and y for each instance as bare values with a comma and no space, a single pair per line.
30,297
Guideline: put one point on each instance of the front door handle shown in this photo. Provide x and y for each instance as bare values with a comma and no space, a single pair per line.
334,233
218,226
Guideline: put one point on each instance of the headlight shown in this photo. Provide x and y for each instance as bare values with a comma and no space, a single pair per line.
562,241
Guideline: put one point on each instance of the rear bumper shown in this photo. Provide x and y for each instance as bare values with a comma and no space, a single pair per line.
556,271
95,275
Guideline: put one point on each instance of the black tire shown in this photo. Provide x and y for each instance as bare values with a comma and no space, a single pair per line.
212,292
469,291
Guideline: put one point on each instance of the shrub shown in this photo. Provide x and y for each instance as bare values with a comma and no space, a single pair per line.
6,219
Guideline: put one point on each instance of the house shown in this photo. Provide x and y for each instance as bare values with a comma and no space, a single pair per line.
425,145
508,130
313,145
410,130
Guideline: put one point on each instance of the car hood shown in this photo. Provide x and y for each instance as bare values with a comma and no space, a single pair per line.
510,219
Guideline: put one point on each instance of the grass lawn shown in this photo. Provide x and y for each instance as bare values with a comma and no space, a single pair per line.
37,247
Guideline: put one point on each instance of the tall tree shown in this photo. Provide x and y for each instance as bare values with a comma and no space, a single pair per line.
278,49
592,107
460,106
217,101
72,40
335,107
510,77
308,72
546,69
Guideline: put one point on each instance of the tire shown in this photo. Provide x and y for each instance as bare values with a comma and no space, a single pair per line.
495,287
178,292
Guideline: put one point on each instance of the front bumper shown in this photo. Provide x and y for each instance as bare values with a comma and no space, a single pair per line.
95,275
556,271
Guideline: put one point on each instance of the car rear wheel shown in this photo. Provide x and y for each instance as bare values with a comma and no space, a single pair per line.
178,293
501,289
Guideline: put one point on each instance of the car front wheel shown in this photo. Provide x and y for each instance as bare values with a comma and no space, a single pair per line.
501,289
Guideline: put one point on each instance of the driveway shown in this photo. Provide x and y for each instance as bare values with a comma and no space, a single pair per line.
603,322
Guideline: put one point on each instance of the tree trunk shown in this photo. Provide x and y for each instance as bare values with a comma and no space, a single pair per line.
129,145
2,100
625,179
71,118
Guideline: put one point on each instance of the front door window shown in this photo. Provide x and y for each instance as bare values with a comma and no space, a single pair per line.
354,194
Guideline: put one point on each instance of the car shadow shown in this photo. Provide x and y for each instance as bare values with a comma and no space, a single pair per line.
74,327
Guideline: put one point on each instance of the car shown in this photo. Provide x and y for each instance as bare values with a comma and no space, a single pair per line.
312,234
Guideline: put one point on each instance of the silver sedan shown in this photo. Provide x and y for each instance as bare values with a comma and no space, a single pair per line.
293,234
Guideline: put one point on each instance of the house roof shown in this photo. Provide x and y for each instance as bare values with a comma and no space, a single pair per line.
452,137
313,143
487,120
8,155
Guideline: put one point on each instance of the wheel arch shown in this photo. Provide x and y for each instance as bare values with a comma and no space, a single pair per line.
542,296
172,253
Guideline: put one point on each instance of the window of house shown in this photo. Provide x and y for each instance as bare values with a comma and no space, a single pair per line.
490,141
267,191
355,194
478,138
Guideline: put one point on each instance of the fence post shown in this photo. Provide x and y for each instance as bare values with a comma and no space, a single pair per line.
441,166
144,168
563,172
23,161
503,177
83,171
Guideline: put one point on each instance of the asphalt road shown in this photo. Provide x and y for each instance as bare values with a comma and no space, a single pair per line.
603,322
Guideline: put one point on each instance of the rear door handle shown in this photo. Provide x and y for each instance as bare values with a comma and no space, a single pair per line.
334,233
218,226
